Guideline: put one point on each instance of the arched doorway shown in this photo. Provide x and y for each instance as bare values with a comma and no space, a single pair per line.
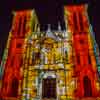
87,87
14,87
49,85
49,88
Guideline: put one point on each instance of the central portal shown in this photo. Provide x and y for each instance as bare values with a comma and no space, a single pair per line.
49,88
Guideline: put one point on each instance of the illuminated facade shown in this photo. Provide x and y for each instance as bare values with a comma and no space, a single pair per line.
53,64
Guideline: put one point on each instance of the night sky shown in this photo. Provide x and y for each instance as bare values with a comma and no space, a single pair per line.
48,11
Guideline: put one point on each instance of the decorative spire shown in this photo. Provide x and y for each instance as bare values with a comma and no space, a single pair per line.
59,26
49,32
49,28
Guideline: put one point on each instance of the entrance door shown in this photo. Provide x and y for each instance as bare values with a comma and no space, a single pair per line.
49,88
87,87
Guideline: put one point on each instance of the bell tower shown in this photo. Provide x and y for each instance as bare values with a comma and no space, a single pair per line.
13,67
84,59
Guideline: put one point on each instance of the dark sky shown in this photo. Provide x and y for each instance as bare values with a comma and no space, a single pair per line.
48,11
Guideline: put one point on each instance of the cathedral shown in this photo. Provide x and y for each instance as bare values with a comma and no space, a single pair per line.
52,64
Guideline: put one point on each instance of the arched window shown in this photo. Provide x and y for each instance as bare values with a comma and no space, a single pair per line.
87,87
14,87
19,27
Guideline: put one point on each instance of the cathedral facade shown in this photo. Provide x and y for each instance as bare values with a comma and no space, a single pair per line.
53,64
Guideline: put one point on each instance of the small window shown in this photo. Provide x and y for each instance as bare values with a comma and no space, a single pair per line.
89,59
75,21
24,26
81,22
